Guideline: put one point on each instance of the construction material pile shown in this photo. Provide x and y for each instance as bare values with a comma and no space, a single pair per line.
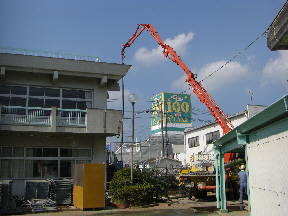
19,196
38,205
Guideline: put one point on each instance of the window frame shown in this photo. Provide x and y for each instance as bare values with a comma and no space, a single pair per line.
26,158
193,142
215,135
44,97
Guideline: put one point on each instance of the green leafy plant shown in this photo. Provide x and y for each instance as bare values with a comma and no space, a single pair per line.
147,187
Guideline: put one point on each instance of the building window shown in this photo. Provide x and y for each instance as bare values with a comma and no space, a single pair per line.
41,169
211,137
76,99
65,168
38,162
45,97
193,142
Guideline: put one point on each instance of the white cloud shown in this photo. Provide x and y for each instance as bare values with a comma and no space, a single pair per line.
180,84
276,70
230,74
179,44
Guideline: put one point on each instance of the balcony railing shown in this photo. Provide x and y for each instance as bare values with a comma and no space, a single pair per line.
50,54
91,120
67,117
18,115
25,115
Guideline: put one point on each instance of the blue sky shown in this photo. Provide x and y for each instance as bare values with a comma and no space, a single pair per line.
205,34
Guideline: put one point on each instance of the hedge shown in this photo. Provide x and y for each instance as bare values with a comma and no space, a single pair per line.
147,187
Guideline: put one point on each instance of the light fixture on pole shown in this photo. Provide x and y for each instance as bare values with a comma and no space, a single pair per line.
132,99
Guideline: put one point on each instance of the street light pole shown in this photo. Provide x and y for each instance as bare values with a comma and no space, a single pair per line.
132,100
133,138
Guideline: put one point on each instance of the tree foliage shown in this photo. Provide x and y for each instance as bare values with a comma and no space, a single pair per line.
147,187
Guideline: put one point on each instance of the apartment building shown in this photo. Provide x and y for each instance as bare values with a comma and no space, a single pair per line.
53,113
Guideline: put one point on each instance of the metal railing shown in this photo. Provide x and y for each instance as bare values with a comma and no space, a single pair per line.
25,115
17,115
50,54
68,117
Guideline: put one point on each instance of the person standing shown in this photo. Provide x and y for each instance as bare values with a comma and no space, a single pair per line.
234,179
243,185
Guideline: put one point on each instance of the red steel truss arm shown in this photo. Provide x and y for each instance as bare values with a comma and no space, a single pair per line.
198,89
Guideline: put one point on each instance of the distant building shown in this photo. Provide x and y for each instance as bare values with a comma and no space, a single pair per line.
149,149
168,165
53,114
200,139
277,37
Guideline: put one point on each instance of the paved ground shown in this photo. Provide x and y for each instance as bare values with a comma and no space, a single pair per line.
181,206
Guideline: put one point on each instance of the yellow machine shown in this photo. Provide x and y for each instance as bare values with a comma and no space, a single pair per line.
89,188
199,178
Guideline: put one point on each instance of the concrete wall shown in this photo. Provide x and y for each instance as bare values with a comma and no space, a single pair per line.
98,121
104,121
64,66
268,171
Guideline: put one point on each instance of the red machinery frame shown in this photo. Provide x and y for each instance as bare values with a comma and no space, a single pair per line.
198,89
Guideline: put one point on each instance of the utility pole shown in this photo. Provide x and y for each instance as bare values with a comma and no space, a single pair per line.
140,151
166,135
162,132
122,128
149,148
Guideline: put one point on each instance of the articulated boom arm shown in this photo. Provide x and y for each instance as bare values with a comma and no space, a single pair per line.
198,89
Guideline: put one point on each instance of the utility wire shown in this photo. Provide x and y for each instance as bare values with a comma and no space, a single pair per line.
235,56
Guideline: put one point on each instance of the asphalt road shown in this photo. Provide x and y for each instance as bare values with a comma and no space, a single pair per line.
175,207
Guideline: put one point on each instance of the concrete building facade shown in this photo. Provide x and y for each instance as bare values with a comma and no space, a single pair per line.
200,140
53,114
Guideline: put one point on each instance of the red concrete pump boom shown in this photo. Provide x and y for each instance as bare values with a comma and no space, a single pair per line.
198,89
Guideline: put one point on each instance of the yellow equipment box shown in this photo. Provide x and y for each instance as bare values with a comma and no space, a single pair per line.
88,188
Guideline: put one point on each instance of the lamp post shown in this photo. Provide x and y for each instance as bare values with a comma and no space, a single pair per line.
132,99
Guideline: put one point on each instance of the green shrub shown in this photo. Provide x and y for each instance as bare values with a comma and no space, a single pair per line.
147,187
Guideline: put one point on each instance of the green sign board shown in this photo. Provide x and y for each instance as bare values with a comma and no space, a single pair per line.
174,109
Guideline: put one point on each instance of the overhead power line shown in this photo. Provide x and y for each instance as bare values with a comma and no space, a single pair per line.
238,54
